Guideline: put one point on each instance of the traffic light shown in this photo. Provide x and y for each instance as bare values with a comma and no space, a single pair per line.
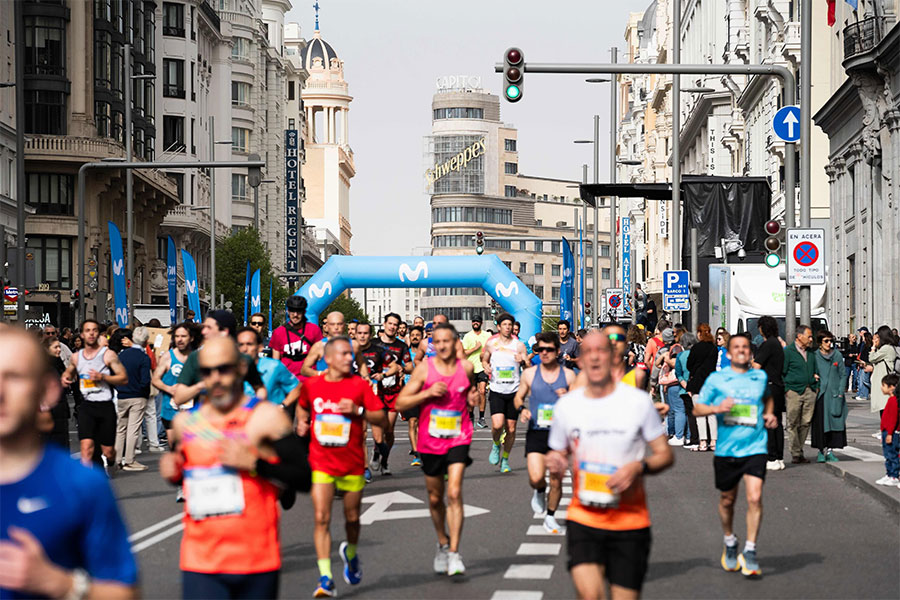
494,310
774,243
587,311
76,299
254,177
479,242
513,71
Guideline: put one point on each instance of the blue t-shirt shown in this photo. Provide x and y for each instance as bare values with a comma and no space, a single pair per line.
277,379
742,432
71,510
722,360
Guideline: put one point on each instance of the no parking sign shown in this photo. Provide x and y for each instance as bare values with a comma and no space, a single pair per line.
806,256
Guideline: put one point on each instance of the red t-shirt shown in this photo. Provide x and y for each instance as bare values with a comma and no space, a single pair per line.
294,347
337,442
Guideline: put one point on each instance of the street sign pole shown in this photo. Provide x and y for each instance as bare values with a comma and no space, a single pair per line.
805,125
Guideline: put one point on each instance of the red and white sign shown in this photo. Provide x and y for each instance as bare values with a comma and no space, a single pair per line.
11,294
806,256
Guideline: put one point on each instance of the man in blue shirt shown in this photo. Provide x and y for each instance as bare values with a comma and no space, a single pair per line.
738,397
282,386
61,534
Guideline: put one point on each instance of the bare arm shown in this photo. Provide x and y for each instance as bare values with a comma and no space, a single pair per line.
420,353
486,359
315,353
292,396
473,349
378,418
460,351
70,375
161,367
185,393
523,391
119,376
412,395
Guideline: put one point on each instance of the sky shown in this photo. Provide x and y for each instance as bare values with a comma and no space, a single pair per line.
394,50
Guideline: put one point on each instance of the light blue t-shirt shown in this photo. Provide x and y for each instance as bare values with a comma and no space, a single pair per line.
742,432
277,379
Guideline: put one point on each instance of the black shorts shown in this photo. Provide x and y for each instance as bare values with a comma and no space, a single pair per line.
412,413
536,440
482,377
97,421
435,465
504,403
623,554
166,423
730,470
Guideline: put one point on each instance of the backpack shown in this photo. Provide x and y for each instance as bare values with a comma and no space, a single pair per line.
897,360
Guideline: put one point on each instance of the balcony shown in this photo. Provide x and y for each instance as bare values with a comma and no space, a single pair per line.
861,37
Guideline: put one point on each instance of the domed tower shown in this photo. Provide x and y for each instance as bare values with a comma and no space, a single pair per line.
329,159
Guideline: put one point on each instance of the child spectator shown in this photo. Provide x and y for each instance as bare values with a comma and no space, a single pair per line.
890,431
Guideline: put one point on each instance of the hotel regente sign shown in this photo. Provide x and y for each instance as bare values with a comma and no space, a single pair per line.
456,163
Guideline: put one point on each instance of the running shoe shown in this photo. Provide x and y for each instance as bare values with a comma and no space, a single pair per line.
820,457
325,589
730,558
134,466
676,441
504,466
352,570
830,457
416,462
481,423
494,458
539,501
368,475
749,564
455,564
772,465
179,495
159,448
551,525
887,480
385,471
441,558
375,465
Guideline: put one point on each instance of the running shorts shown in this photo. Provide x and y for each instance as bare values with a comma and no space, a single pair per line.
504,403
536,440
435,465
412,413
97,421
482,377
345,483
623,554
730,470
389,401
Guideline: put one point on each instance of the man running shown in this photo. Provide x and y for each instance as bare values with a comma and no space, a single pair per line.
338,403
442,388
231,455
739,398
395,353
604,429
473,343
97,370
568,346
411,416
282,387
61,534
543,385
291,342
314,363
426,346
502,358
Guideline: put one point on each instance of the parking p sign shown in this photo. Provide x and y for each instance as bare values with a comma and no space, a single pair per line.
676,291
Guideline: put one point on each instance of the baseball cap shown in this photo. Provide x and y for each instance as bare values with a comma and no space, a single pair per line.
477,319
668,335
863,328
429,327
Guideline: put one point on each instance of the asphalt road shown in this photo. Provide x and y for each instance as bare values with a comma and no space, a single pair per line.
821,537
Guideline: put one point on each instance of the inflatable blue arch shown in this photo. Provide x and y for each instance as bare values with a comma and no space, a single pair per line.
487,272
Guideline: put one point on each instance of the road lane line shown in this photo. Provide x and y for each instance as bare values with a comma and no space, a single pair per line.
539,530
528,572
530,549
157,538
152,528
567,489
517,595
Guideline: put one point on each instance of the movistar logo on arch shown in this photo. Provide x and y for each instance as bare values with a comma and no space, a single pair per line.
458,162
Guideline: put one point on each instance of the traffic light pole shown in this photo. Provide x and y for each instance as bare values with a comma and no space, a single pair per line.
788,89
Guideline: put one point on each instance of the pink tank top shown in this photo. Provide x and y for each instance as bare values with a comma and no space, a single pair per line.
444,422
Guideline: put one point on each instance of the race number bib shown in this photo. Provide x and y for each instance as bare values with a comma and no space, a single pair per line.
592,485
213,492
445,423
389,381
544,415
87,384
505,374
743,412
332,430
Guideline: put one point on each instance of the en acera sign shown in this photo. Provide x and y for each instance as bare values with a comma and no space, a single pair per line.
457,162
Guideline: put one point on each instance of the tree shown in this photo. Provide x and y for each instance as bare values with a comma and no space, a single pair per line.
349,307
231,272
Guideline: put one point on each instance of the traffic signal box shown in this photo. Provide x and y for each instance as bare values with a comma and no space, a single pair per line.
513,71
774,243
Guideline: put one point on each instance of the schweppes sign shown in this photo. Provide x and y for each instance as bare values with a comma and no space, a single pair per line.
456,163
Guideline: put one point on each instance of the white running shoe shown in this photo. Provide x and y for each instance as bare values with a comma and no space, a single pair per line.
781,466
455,564
889,481
551,525
375,465
539,501
440,558
676,441
772,465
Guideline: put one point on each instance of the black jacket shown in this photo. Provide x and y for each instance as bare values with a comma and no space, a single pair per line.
701,363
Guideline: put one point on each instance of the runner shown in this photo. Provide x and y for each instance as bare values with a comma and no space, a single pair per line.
543,385
473,344
97,369
369,364
282,387
419,322
502,358
442,388
258,322
739,398
426,346
351,329
314,363
291,342
605,428
403,332
416,334
61,534
396,352
337,401
229,454
568,346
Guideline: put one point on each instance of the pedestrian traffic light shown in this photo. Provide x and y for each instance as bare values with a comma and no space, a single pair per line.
774,242
479,242
513,70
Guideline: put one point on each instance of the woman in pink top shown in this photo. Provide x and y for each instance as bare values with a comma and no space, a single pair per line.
443,386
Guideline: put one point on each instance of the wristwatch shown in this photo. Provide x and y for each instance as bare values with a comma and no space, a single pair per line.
361,411
645,468
81,583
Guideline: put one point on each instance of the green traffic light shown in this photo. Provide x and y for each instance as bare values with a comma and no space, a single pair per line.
513,92
479,250
773,260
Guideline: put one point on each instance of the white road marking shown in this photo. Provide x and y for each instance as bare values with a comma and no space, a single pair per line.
539,530
157,538
567,489
147,531
517,595
564,501
529,549
528,572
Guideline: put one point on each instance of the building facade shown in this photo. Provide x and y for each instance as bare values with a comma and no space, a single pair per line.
8,190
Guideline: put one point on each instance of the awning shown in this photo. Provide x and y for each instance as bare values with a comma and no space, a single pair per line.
651,191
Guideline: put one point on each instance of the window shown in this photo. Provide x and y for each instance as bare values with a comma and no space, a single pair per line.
240,93
102,59
539,246
470,214
852,195
554,293
241,49
178,178
538,291
467,180
604,273
238,187
50,193
102,117
509,145
173,133
193,23
538,268
290,90
510,168
523,267
52,260
508,264
588,249
240,139
589,273
292,124
193,136
173,78
458,113
510,191
499,244
45,112
556,247
604,249
522,246
45,46
555,270
173,19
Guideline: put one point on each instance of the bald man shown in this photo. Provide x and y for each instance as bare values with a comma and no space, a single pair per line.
315,364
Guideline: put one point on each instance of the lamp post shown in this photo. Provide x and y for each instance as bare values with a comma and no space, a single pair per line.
212,211
256,203
597,280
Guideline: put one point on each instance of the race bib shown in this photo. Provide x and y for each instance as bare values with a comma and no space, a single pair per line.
390,381
87,384
505,374
213,492
332,430
743,412
544,415
445,423
592,485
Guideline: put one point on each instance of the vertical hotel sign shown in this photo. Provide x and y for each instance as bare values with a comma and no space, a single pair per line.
291,200
626,258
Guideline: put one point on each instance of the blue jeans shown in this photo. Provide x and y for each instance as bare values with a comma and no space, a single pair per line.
676,419
891,454
865,383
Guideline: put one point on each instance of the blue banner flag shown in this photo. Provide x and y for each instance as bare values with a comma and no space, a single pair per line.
255,298
581,275
172,279
246,293
190,283
567,288
854,4
118,271
270,307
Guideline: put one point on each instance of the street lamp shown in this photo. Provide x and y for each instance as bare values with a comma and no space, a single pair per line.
212,211
698,90
595,266
256,203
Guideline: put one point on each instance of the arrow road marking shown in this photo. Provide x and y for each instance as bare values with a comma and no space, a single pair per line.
382,502
790,119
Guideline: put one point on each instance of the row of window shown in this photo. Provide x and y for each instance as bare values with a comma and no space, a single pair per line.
458,113
471,214
466,241
453,291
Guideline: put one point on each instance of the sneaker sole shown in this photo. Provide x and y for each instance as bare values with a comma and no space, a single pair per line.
748,573
346,562
725,566
550,530
320,593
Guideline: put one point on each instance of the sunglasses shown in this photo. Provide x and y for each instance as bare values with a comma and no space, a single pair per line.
259,323
616,337
828,341
543,349
226,369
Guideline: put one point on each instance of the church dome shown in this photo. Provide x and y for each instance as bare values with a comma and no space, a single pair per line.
320,55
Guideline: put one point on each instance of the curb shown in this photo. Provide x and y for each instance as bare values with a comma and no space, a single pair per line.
892,504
